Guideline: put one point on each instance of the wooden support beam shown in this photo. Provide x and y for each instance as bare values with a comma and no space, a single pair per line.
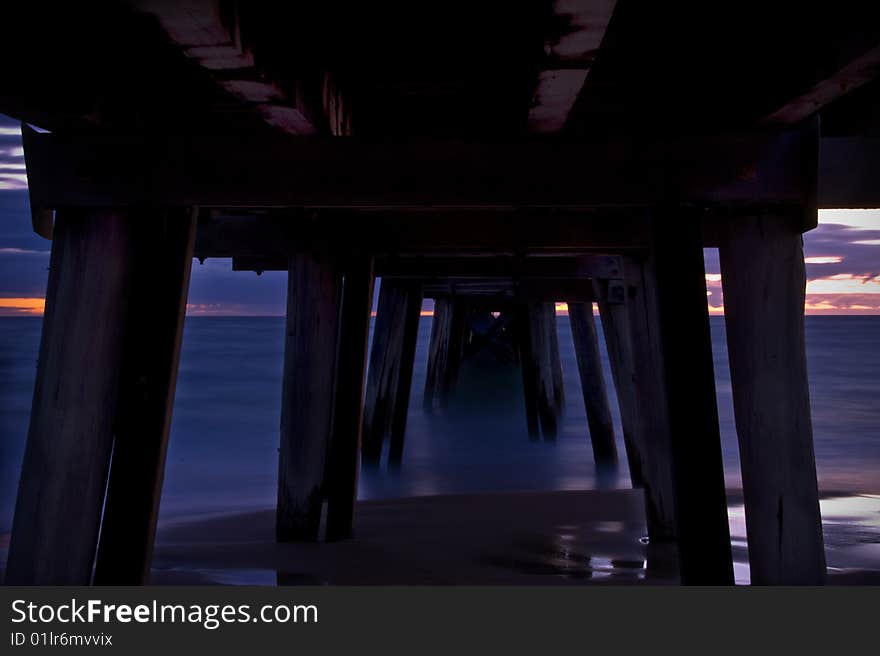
700,500
849,173
438,347
586,348
385,368
546,365
612,301
850,76
763,274
64,472
651,418
153,335
308,386
464,232
437,267
734,171
569,55
211,34
351,365
404,379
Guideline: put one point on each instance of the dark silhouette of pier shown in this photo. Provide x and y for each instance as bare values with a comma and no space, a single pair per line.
495,157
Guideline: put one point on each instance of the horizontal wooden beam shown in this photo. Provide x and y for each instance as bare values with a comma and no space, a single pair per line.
479,266
850,173
850,76
752,171
571,290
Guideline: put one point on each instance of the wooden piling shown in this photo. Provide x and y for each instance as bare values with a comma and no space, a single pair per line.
384,370
615,328
458,333
404,379
351,364
763,278
162,260
651,417
308,386
64,472
586,348
522,329
546,364
438,348
700,499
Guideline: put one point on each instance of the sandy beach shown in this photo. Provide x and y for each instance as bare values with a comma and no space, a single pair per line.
556,538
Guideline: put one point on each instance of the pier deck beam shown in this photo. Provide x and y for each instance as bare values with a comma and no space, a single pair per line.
700,499
313,304
351,365
66,460
763,277
154,332
586,348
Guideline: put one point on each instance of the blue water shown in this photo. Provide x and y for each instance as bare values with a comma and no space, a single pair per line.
224,436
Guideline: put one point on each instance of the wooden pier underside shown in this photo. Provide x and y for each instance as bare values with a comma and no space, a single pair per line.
578,150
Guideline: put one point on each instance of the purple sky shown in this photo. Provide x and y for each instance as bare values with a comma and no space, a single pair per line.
843,259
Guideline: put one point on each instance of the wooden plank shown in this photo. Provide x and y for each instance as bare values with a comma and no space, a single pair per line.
651,418
64,471
385,368
700,500
751,170
153,335
586,348
404,379
351,365
764,279
310,345
615,328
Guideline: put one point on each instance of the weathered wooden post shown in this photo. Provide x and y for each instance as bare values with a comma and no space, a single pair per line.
586,348
404,378
764,281
522,329
546,365
611,298
66,460
651,416
700,499
351,365
313,306
162,261
438,348
384,370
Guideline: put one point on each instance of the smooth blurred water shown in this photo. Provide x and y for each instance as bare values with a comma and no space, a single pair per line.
224,436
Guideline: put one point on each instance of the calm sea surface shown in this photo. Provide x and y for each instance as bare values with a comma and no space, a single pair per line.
224,437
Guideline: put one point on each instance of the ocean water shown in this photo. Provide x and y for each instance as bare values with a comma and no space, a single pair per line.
224,437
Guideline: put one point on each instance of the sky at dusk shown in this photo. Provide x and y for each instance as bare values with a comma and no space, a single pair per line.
843,260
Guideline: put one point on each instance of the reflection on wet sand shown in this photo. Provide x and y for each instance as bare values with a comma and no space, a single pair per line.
542,538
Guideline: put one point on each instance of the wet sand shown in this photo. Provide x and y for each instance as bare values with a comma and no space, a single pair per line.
554,538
